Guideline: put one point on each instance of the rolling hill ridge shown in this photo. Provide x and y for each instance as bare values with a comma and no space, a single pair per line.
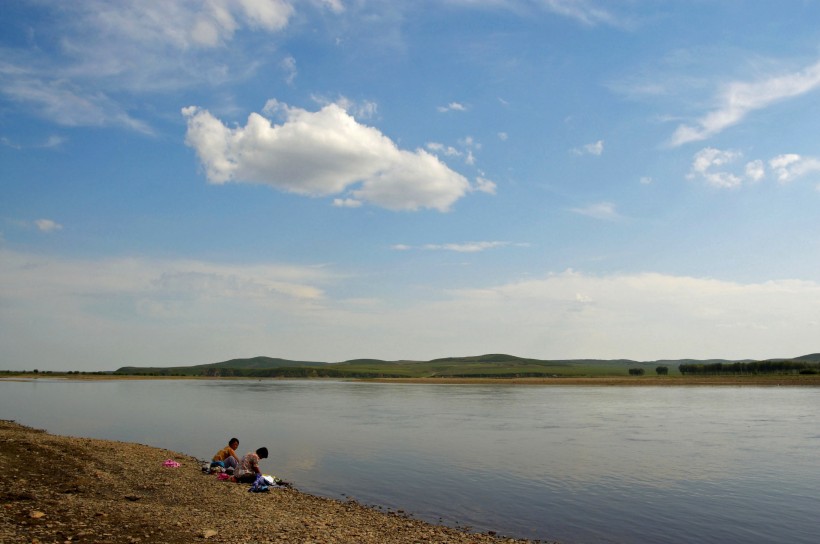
478,366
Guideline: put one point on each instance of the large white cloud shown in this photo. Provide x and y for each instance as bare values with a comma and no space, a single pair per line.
322,153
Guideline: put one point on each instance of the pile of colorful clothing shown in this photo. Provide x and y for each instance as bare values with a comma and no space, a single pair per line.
262,483
216,467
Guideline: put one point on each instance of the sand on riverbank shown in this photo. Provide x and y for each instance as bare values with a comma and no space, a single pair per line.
65,489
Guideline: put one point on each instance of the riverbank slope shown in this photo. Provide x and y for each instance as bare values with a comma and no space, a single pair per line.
65,489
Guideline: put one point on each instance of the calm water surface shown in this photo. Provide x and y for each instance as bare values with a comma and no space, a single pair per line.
574,464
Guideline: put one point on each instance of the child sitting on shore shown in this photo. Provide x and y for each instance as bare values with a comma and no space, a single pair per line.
248,468
226,457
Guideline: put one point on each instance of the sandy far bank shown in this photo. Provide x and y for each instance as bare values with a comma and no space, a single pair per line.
65,489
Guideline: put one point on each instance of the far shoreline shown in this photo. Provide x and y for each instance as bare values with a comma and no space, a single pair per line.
627,381
760,380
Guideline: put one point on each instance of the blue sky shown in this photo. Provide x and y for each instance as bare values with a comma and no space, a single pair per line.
185,182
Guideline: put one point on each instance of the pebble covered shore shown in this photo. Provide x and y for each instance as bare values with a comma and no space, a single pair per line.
64,489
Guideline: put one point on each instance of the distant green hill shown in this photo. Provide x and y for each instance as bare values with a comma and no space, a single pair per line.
497,365
701,361
260,362
491,358
813,357
232,367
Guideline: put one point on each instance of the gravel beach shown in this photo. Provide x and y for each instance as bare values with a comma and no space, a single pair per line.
65,489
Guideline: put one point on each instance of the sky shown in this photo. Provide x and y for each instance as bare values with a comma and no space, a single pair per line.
185,182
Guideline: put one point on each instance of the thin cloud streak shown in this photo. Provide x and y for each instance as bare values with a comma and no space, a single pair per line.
605,211
47,225
738,99
465,247
595,148
583,11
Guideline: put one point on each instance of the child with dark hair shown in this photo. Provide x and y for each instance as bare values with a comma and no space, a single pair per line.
226,457
248,468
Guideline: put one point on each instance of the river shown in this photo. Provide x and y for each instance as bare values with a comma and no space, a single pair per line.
579,465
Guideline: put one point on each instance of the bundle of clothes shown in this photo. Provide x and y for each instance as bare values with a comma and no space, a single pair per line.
261,484
228,466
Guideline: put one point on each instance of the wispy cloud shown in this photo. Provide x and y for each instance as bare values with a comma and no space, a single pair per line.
30,275
791,166
347,203
360,109
176,311
127,302
441,149
102,53
288,65
485,185
605,211
595,148
586,12
64,103
465,150
650,315
755,170
47,225
51,142
43,225
725,169
740,98
184,25
464,247
710,163
452,106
